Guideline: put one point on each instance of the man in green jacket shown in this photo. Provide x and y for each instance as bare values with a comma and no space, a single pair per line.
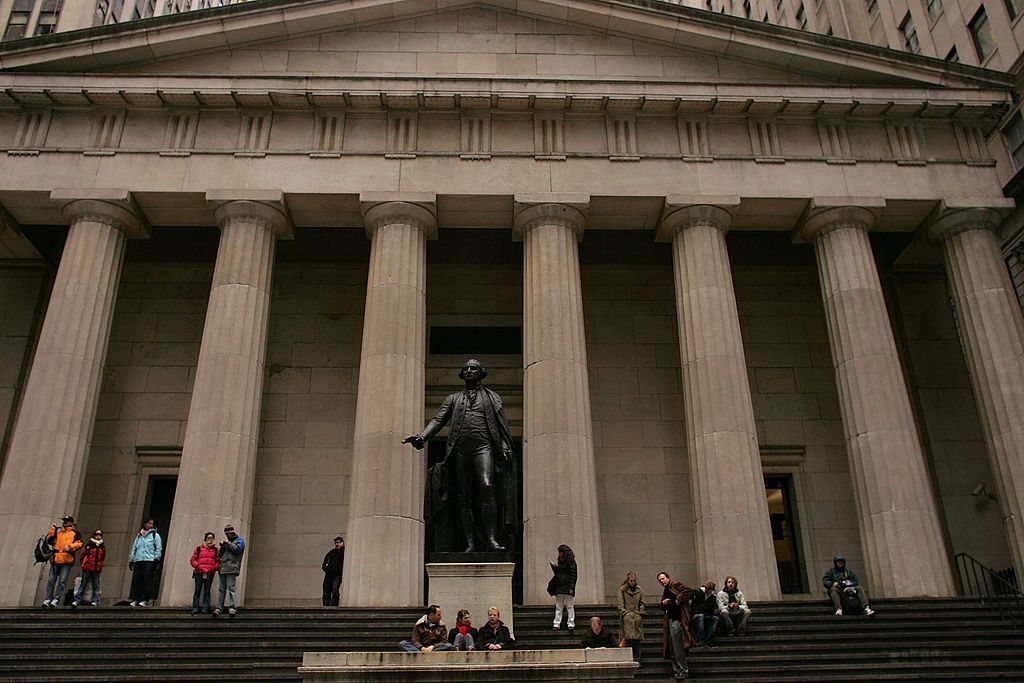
839,578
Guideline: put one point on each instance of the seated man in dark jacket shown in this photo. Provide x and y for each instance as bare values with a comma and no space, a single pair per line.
704,614
598,636
494,635
429,634
839,578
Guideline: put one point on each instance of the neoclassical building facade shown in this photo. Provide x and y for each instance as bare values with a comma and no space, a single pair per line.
739,286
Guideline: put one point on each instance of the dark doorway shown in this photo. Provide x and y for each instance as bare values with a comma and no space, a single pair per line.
158,505
785,533
435,454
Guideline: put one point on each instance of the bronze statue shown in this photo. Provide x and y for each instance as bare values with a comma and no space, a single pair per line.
478,457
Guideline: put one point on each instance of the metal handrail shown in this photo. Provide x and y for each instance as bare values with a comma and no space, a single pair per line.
981,581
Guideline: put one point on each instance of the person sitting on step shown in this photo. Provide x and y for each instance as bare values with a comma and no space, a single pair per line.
463,636
598,636
429,634
494,635
733,612
839,579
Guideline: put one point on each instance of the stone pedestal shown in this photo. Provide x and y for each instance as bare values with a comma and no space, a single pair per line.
899,525
559,483
475,586
217,475
514,666
993,335
725,461
43,475
384,561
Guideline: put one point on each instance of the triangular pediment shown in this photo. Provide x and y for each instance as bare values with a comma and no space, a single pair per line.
635,40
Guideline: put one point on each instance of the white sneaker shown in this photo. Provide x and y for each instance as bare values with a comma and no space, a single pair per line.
839,612
46,603
868,611
143,603
133,604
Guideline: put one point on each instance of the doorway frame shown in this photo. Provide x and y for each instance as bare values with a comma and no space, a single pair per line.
157,461
782,461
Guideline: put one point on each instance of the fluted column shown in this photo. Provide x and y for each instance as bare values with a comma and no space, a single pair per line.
899,524
217,474
43,476
559,482
384,564
725,461
993,339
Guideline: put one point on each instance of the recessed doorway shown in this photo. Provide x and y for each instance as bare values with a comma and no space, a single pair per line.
785,533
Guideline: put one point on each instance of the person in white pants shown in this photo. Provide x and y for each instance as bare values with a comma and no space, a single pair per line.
563,587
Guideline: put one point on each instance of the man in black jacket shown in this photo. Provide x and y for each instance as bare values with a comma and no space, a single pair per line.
704,608
333,566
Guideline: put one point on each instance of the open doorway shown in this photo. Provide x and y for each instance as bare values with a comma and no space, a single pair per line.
159,503
785,533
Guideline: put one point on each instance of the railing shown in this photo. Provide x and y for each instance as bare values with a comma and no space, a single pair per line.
999,589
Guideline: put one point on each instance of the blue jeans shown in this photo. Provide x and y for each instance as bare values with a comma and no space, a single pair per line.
704,628
331,586
202,591
409,647
227,589
55,584
89,578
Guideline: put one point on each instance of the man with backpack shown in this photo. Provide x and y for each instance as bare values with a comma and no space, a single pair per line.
839,579
92,566
64,543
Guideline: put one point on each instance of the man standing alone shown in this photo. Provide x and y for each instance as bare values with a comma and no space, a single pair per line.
333,566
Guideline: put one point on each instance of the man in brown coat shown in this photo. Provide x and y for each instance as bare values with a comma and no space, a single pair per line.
429,634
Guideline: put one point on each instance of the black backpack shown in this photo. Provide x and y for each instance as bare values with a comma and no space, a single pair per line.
43,549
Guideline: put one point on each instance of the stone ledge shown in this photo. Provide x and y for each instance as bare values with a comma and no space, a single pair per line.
515,665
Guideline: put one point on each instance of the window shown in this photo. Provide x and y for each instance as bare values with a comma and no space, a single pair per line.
18,20
176,6
1013,7
909,34
746,8
953,55
107,12
801,18
1014,134
49,13
981,34
934,8
872,8
144,9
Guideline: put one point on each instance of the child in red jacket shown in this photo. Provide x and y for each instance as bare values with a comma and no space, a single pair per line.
205,563
92,566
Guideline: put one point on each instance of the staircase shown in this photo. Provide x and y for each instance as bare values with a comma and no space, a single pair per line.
956,639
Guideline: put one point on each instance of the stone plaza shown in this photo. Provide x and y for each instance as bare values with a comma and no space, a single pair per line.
738,286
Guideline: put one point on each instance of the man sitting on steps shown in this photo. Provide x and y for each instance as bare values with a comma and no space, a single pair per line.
429,634
838,579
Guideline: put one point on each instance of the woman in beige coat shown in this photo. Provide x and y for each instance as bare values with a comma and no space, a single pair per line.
631,611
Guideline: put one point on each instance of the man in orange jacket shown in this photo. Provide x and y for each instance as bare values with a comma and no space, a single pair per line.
65,543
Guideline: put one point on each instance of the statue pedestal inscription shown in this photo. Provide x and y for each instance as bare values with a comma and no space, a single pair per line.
474,586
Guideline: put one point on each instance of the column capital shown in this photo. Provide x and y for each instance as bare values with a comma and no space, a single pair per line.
418,209
266,207
116,208
682,212
568,208
952,217
825,214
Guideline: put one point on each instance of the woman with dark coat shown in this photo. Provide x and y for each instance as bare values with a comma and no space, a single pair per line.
563,586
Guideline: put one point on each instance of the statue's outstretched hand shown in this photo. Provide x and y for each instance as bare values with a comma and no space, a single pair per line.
416,440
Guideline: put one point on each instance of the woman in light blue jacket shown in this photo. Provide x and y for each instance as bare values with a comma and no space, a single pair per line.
144,561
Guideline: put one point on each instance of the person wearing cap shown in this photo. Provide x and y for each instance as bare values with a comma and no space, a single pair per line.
65,542
92,566
144,559
231,551
333,566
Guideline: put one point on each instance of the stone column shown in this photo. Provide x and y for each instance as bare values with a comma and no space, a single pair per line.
899,524
559,482
725,461
217,474
993,338
45,467
384,564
